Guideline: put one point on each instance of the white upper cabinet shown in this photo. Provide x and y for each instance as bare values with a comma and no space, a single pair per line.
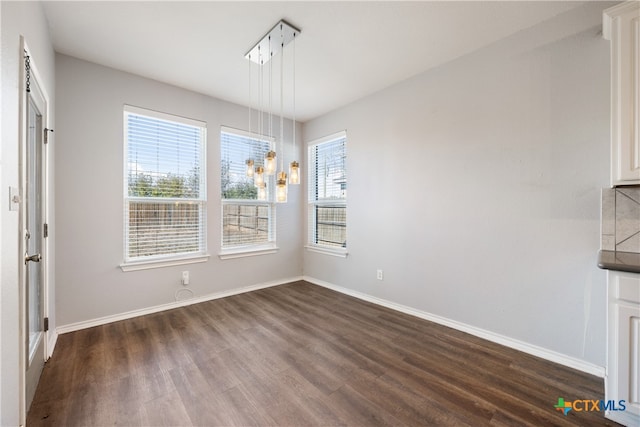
621,25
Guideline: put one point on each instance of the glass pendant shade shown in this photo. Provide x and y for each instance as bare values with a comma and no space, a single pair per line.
258,178
262,191
294,173
270,162
250,168
281,188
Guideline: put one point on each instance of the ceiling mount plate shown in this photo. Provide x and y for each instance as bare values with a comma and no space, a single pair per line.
272,43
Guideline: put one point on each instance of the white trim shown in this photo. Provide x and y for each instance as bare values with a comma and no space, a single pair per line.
164,116
608,15
51,343
531,349
329,202
624,418
243,133
248,251
338,135
159,263
247,202
155,309
338,252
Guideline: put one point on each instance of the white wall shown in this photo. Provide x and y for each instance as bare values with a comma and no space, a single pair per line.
475,187
90,206
27,19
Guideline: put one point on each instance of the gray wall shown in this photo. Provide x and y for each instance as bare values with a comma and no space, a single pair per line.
90,205
475,187
26,19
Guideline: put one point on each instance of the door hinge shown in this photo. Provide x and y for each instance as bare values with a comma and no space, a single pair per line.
46,324
46,135
46,230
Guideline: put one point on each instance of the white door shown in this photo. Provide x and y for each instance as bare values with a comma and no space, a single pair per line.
33,188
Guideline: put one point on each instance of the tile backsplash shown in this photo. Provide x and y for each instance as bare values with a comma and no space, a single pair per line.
620,221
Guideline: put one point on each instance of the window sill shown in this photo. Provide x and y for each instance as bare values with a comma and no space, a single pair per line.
165,262
339,252
247,251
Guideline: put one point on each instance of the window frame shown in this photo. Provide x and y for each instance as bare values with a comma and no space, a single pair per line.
313,203
250,248
167,259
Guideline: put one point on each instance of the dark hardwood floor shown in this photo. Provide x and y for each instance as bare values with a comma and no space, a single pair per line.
298,355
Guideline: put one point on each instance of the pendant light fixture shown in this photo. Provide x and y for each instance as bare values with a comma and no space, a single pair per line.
258,177
270,162
272,44
294,173
262,191
281,188
250,171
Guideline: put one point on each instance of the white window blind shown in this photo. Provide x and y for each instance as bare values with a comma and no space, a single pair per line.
165,186
246,221
327,217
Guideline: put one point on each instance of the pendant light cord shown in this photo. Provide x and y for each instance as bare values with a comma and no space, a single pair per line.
295,155
250,102
270,89
281,102
261,94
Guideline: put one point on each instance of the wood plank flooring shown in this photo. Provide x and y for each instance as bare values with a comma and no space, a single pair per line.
298,355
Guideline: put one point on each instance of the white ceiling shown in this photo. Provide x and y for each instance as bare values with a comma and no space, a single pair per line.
346,50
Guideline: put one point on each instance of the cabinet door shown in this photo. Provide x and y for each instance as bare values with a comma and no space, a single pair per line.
628,362
622,26
622,381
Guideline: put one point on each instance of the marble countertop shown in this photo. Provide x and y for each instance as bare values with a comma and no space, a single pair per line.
620,261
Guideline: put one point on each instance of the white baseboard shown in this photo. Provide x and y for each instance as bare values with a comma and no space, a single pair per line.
51,343
534,350
155,309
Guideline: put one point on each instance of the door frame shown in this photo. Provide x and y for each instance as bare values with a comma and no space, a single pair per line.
36,83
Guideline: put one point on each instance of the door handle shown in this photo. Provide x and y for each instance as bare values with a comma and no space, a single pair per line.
33,258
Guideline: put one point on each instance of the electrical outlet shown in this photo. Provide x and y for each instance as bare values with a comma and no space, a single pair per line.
185,278
380,275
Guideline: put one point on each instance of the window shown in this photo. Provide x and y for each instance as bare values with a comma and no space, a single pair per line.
165,187
327,180
248,224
